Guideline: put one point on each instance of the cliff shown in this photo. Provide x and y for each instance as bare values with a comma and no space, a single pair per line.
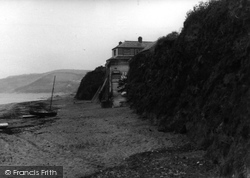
197,83
90,84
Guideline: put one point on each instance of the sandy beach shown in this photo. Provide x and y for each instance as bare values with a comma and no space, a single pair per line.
83,138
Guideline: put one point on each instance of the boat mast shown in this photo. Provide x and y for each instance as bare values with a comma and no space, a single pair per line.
52,92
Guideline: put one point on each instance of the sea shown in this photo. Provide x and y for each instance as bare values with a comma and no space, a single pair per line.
7,98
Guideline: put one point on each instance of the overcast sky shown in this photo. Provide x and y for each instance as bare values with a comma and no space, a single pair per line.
42,35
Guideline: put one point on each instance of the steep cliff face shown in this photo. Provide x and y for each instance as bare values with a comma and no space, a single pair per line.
90,84
198,82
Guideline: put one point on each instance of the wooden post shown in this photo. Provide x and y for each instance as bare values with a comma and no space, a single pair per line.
52,93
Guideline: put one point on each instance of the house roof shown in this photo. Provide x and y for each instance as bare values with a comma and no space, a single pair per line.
149,46
133,44
118,58
121,57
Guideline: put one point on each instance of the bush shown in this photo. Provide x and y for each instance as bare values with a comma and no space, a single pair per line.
90,84
198,80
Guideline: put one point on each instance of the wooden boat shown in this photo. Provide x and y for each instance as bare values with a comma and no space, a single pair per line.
43,113
4,125
28,116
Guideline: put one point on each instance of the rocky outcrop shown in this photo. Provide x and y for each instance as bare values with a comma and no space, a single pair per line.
198,82
90,84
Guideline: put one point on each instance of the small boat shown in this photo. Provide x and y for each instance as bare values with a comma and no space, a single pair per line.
4,125
46,112
28,116
43,113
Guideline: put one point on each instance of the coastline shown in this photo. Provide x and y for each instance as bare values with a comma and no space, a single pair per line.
13,112
8,98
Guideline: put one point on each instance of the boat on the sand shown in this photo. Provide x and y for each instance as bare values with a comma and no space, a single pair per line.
43,113
4,125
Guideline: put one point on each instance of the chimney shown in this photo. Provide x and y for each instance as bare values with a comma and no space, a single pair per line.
120,43
140,39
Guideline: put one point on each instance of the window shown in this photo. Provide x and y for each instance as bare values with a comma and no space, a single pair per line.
127,52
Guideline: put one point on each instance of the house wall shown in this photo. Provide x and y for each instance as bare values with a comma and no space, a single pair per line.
119,62
123,68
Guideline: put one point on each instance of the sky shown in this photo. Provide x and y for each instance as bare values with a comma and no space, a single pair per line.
38,36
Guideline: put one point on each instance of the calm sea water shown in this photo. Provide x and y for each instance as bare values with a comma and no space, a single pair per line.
6,98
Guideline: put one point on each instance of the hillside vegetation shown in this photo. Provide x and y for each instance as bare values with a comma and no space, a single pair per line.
9,84
198,82
67,81
90,84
